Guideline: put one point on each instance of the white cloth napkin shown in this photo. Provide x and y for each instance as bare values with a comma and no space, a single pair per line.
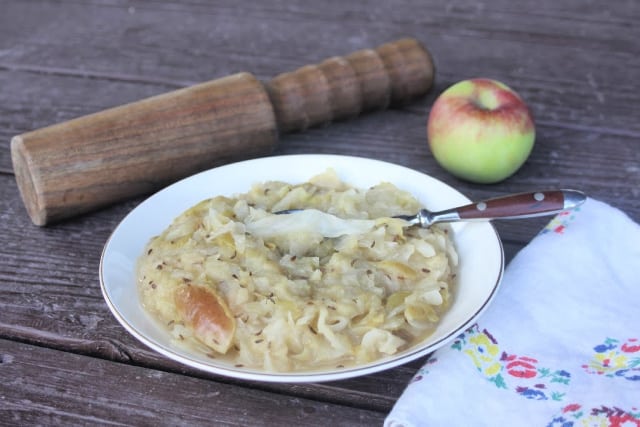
560,345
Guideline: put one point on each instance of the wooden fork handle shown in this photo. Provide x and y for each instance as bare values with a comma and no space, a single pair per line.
523,205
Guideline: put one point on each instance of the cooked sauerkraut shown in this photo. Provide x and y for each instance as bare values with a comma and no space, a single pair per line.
297,299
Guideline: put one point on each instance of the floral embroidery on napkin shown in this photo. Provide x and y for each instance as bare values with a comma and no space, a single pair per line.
522,374
423,371
574,415
616,359
560,222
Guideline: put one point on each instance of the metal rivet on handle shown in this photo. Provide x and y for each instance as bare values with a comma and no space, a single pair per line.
481,206
538,196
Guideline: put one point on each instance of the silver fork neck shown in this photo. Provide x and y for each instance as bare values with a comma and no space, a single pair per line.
426,218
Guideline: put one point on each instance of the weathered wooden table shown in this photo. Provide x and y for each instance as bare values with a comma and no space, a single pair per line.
63,357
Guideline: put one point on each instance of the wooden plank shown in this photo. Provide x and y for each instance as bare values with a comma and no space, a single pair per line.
48,387
209,41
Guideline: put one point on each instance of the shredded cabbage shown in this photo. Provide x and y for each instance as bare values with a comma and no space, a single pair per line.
302,291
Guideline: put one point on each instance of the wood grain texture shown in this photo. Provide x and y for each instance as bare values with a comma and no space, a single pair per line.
131,395
112,155
538,203
341,87
575,63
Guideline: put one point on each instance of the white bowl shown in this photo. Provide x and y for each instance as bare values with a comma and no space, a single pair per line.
480,252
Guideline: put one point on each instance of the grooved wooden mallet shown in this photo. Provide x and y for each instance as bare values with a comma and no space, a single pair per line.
93,161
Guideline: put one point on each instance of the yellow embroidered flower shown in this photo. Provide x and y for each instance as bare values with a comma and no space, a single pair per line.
595,421
485,354
609,361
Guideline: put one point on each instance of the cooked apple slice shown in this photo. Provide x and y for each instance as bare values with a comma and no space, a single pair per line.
205,311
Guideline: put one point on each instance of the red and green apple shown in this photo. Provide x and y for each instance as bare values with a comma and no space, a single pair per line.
480,130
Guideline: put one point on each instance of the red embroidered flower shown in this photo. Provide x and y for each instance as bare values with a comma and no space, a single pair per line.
616,417
571,407
521,366
623,420
631,346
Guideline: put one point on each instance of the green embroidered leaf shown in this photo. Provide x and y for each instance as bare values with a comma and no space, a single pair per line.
611,341
560,380
498,380
544,372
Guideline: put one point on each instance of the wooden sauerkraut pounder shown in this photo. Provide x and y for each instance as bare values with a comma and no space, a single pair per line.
92,161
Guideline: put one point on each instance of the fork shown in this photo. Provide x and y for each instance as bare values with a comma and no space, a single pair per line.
513,206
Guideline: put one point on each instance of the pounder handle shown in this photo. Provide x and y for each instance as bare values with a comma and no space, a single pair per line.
342,87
